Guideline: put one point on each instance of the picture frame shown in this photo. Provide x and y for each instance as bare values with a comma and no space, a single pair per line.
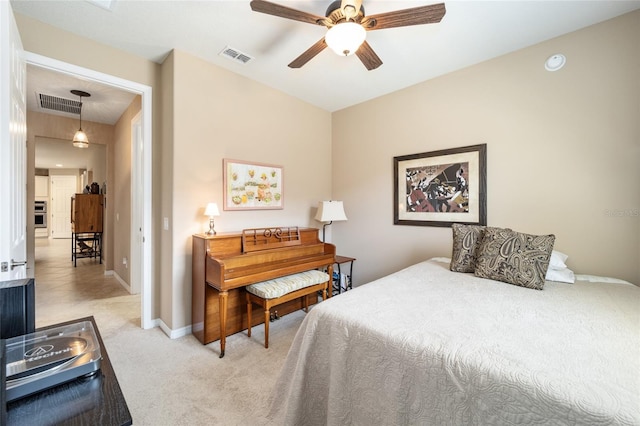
252,186
439,188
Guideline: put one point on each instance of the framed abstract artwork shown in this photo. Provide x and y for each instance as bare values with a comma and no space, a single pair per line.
252,186
440,188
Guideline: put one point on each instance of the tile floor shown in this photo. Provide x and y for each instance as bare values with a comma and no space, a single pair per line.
65,292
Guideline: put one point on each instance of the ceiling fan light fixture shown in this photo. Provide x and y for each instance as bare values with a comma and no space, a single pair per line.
345,38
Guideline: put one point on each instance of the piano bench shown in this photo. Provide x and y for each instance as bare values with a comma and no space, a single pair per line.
280,290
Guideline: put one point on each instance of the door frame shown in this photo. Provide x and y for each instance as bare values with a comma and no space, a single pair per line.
145,190
137,152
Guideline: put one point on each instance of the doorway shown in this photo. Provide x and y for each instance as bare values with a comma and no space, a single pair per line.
141,212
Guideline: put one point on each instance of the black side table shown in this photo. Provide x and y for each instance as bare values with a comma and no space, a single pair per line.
337,287
96,400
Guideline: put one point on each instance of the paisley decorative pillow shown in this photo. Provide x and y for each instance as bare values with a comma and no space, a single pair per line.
514,257
466,241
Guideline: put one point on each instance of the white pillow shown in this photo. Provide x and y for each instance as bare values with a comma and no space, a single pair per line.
564,275
557,260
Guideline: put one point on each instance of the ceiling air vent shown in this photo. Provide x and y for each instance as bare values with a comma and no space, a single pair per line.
235,55
59,104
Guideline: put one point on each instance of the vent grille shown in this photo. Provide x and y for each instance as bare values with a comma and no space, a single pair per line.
235,55
59,104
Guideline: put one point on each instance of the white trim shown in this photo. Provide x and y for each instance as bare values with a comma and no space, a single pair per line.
174,334
145,192
122,282
136,181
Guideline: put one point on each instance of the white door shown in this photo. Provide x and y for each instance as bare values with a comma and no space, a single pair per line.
13,149
62,189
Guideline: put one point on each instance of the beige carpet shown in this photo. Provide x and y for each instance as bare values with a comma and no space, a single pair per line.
165,382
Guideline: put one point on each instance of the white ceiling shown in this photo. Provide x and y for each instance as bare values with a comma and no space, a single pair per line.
105,105
469,33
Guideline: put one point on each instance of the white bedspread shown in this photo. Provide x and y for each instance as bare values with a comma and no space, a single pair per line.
427,346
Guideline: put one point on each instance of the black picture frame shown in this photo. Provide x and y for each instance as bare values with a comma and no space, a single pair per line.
439,188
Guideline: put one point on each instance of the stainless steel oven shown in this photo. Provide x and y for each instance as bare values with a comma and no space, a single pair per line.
40,212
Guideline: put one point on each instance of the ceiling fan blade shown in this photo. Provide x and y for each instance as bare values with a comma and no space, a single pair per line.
309,54
368,56
430,14
286,12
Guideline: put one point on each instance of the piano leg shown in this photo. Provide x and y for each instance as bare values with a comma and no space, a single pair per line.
223,296
267,315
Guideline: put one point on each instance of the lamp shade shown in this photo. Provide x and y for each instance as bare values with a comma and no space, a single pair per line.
80,139
329,211
345,38
212,210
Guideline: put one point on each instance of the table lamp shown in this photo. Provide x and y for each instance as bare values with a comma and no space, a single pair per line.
328,211
211,211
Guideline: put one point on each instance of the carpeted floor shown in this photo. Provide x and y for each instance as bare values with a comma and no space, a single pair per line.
165,382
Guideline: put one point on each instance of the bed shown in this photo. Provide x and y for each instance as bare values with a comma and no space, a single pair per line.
428,346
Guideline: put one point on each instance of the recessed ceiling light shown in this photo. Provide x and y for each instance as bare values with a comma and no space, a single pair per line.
555,62
58,165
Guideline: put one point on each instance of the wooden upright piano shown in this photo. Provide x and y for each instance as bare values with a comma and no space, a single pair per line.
224,264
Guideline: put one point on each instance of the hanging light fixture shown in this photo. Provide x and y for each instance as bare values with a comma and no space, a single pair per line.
80,139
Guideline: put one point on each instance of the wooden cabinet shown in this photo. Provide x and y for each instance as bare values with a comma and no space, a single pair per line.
86,226
86,213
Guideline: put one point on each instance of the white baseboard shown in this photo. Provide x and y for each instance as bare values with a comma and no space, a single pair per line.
174,334
122,282
154,323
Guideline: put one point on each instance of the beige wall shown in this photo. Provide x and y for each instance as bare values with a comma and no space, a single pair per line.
218,114
562,152
165,236
119,192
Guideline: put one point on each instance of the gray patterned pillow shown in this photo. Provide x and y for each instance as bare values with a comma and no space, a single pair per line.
466,241
514,257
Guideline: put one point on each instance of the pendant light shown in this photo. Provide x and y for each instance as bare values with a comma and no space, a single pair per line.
80,139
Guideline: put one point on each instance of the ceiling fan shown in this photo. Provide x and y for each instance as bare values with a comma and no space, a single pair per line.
347,26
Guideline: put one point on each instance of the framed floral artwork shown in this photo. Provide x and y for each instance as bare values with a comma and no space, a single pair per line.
252,186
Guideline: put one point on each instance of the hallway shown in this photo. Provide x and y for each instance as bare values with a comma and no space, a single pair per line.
65,292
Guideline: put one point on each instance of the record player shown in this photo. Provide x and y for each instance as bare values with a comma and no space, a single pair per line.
47,358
